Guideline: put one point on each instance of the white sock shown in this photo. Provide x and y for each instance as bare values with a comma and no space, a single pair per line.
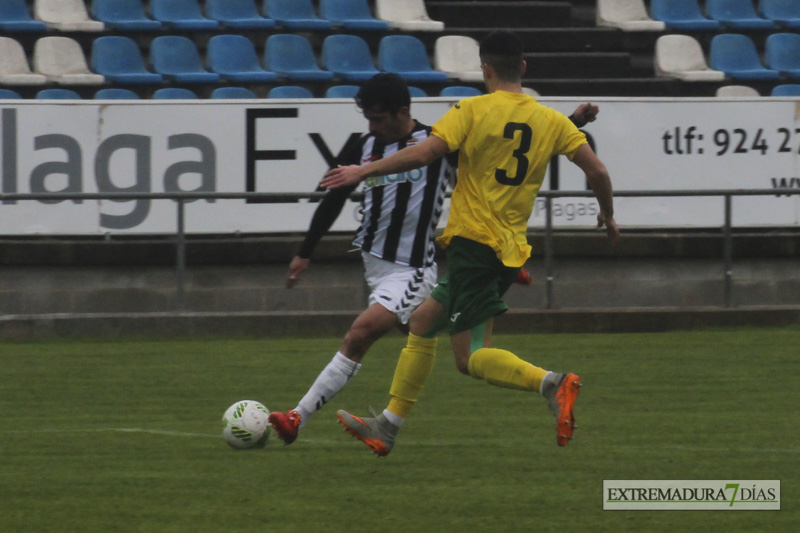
393,418
546,377
330,381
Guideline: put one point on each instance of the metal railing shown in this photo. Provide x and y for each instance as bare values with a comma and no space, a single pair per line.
182,197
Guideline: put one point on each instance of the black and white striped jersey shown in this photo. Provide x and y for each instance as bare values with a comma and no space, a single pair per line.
400,212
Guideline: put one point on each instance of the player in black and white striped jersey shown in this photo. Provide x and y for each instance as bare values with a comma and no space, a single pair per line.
396,238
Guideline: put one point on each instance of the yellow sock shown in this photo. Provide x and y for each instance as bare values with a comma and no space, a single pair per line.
413,368
504,369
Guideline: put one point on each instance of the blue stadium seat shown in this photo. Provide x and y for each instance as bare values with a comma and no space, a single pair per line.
291,56
460,90
174,93
785,12
234,58
238,14
348,57
406,55
351,15
233,92
176,58
123,15
295,15
8,94
57,94
342,91
786,89
181,15
782,53
290,91
115,94
15,16
416,92
120,60
736,56
682,15
737,14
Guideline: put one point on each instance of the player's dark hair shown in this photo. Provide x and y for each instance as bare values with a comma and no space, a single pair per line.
384,92
502,50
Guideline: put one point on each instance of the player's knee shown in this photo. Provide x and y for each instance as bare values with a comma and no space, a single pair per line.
357,342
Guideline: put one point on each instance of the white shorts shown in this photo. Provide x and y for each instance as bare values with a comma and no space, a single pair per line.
398,288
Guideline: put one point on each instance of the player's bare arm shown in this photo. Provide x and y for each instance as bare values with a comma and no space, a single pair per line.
416,156
297,267
600,182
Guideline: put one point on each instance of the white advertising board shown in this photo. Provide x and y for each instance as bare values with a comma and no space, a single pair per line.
286,146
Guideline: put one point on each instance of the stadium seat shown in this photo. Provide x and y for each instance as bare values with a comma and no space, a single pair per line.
627,15
737,91
181,15
406,55
115,93
290,91
531,92
233,93
457,56
351,15
8,94
342,91
14,67
782,53
785,12
174,93
736,56
120,60
291,56
295,15
737,14
126,15
237,14
416,92
61,59
348,57
407,15
15,16
65,15
234,58
57,94
681,56
786,89
176,58
460,91
682,15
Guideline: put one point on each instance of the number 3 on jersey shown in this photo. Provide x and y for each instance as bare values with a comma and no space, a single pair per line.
519,154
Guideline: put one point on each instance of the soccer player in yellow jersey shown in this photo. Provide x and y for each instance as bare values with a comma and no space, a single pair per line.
506,140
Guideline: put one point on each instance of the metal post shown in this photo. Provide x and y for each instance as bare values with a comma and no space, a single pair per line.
548,253
727,251
180,269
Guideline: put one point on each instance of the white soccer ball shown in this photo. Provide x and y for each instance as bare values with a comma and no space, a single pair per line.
245,425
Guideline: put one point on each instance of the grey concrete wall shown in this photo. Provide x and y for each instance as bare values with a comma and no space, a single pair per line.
49,283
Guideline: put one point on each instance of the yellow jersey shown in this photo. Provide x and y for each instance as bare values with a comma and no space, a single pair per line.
506,141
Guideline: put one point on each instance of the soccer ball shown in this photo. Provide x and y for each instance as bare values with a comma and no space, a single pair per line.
245,425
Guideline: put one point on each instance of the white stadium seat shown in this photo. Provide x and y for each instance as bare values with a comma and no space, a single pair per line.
61,59
408,15
457,55
681,56
14,68
66,15
627,15
737,91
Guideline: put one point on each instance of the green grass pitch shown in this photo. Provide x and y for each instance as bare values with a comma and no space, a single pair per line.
124,436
